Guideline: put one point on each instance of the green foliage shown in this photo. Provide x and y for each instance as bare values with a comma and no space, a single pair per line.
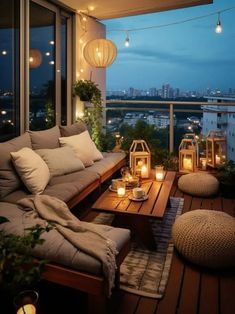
87,90
156,139
226,173
18,268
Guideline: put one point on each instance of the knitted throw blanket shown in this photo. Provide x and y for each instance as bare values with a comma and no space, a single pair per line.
87,237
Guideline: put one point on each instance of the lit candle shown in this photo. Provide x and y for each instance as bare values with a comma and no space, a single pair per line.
217,160
121,191
144,171
159,173
187,163
203,162
27,309
140,163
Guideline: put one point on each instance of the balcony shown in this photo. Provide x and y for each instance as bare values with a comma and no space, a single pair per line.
190,288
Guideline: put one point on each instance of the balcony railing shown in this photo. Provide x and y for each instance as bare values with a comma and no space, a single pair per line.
172,108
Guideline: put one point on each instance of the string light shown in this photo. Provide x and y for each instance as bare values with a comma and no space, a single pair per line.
127,40
218,28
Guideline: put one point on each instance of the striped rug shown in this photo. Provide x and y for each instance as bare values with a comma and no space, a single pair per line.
146,272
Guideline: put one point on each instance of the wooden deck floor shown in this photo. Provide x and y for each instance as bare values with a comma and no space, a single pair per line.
190,289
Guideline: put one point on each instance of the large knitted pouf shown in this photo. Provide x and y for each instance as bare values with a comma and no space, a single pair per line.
206,238
198,184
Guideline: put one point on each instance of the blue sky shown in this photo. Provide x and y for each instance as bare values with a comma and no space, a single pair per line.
190,56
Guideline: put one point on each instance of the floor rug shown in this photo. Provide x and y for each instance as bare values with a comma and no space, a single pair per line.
146,272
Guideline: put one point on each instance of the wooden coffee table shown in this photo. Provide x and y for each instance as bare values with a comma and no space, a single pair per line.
135,215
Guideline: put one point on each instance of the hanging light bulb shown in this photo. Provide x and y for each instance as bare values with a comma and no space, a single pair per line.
127,40
218,28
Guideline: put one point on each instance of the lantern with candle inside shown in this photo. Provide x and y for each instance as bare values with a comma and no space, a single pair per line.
159,172
25,302
216,151
187,155
140,158
203,163
195,142
121,188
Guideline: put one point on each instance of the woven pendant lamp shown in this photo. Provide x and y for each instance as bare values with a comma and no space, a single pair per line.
100,53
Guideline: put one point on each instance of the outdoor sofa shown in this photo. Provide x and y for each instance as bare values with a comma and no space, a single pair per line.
68,266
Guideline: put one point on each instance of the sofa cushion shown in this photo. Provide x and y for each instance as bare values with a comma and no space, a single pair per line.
67,186
107,163
56,248
32,169
45,139
9,179
83,146
61,160
73,129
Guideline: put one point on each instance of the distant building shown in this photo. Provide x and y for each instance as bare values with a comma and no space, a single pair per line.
225,121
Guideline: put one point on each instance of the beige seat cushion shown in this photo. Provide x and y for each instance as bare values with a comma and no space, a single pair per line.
206,238
199,184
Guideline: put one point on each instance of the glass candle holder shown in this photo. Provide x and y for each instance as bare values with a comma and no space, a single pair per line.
159,172
121,188
203,163
144,171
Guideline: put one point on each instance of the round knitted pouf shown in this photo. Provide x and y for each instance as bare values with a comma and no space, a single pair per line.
206,238
198,184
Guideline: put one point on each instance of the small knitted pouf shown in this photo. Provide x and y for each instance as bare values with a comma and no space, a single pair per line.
198,184
206,238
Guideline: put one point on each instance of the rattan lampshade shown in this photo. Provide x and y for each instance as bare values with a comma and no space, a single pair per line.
100,53
35,58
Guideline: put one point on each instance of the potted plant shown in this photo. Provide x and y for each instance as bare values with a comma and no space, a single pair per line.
88,91
226,177
18,268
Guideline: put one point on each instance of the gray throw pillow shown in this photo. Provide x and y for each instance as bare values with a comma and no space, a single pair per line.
61,160
45,139
73,129
9,179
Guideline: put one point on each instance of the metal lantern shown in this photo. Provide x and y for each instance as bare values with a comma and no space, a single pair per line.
187,155
100,53
35,58
216,148
140,159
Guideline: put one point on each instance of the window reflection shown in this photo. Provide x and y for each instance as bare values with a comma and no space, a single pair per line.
42,68
9,69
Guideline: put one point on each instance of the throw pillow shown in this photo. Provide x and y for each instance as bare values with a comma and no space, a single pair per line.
83,146
73,129
32,169
60,160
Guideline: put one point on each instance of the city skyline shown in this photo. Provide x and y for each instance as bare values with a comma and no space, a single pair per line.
188,55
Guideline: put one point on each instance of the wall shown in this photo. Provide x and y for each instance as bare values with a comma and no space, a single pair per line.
83,32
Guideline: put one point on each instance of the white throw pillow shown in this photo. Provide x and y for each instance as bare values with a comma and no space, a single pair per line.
32,169
83,146
60,160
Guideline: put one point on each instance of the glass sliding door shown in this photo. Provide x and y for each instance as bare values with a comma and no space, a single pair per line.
42,79
9,68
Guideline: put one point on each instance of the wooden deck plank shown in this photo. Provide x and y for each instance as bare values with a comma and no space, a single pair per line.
190,291
228,206
209,294
170,300
129,304
227,289
187,203
217,203
162,200
196,203
146,305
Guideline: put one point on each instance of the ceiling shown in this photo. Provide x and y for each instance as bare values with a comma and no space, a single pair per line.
109,9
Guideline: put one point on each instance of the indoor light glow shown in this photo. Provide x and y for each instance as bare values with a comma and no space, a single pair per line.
4,52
